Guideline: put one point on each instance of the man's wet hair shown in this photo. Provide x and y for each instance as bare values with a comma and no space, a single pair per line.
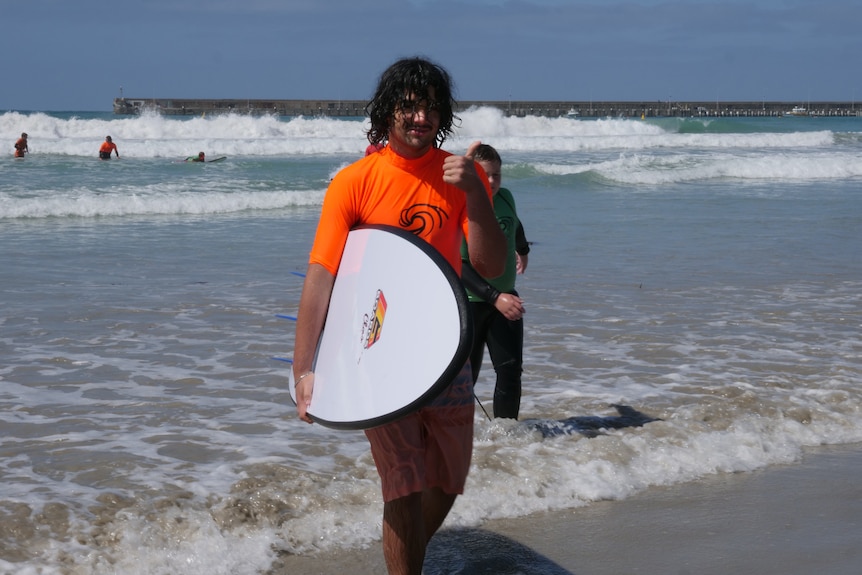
406,77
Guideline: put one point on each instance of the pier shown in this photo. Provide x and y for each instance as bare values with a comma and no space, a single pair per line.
550,109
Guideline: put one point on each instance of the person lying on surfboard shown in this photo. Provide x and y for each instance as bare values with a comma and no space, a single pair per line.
201,157
422,458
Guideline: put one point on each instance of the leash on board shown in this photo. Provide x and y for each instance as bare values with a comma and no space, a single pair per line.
482,406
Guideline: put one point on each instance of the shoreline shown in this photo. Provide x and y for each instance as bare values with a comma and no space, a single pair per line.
790,519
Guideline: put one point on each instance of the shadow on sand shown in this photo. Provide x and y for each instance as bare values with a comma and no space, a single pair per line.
468,551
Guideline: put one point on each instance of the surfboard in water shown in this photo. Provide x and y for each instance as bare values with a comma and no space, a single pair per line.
190,161
397,332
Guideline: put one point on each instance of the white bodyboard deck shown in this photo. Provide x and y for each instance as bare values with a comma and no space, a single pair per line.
397,332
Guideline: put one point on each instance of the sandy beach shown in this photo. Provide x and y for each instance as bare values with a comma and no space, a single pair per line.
796,519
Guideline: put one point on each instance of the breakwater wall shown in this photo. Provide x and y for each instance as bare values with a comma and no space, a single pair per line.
552,109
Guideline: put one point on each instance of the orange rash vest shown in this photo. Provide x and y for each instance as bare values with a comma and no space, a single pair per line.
384,188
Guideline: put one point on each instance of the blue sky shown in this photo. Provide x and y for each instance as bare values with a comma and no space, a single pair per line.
75,55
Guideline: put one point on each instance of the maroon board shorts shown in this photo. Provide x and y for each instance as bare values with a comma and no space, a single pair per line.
430,447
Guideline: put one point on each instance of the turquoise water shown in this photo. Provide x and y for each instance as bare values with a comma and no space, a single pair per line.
706,272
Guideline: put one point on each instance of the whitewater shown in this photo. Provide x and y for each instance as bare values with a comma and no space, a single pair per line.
705,272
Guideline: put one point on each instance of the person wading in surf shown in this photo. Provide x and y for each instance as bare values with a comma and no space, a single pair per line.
21,146
422,458
107,147
498,311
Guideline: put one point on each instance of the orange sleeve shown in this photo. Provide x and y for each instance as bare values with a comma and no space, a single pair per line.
336,219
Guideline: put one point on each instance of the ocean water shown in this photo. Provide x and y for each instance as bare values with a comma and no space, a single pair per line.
706,272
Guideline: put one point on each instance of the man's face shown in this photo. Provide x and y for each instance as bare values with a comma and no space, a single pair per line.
414,126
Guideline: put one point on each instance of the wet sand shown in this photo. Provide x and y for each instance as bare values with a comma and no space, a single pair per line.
797,519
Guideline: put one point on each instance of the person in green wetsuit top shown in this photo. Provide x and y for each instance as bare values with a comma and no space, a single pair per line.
498,311
201,157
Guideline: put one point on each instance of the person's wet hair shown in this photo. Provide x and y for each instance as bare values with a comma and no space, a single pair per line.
415,77
486,153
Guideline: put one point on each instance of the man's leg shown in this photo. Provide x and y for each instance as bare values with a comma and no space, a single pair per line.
409,523
411,520
435,508
404,535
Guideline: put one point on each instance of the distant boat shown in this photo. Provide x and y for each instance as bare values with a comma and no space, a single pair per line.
572,113
797,111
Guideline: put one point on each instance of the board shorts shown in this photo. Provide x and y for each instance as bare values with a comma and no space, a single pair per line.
105,155
430,447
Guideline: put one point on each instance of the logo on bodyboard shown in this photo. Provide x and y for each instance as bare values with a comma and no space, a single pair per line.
372,326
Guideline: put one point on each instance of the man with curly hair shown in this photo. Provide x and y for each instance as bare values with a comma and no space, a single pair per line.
410,182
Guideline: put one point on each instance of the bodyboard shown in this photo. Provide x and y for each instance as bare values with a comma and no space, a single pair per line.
398,330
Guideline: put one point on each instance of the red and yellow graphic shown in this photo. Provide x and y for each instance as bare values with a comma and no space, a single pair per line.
376,325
